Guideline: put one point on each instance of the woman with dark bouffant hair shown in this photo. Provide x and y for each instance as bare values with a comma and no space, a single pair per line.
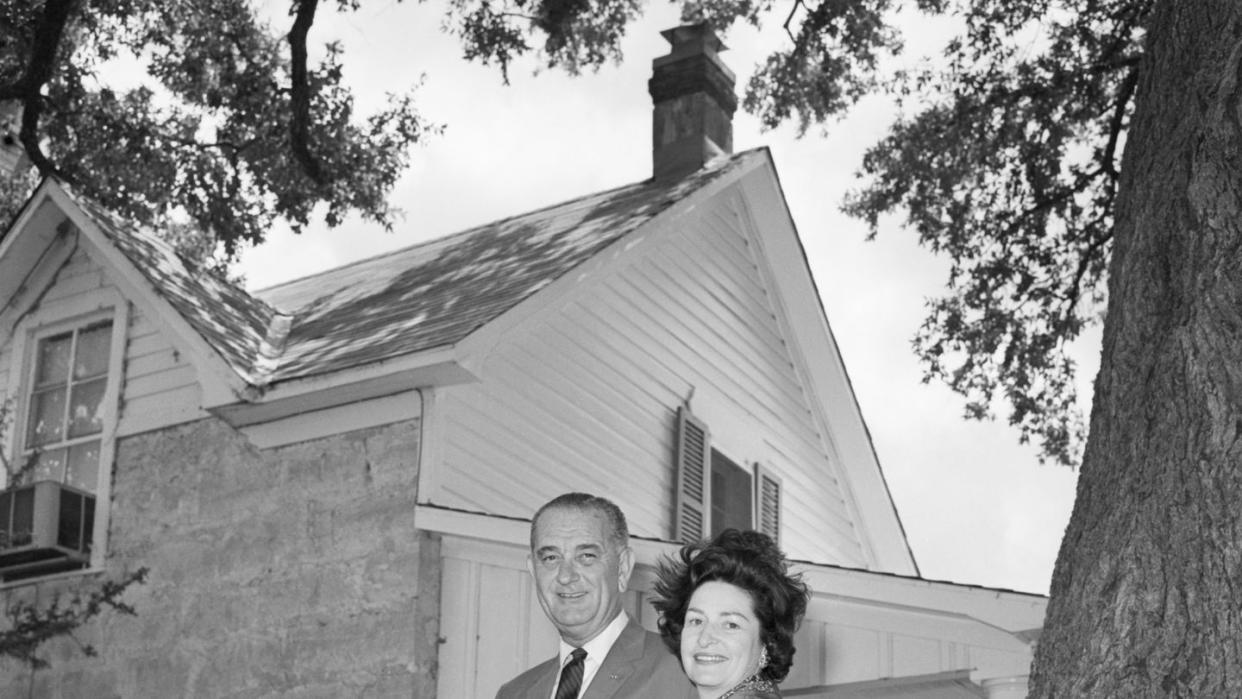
729,608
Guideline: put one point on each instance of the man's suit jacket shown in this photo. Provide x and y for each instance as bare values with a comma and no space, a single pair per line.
639,666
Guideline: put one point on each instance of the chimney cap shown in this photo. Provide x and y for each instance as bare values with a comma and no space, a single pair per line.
690,36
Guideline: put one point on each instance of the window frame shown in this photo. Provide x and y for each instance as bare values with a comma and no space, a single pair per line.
52,318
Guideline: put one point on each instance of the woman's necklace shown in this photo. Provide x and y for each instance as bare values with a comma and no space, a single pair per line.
754,683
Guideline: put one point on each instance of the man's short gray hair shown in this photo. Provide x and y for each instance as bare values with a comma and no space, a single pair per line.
618,534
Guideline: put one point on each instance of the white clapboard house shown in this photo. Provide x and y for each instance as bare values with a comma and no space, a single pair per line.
331,480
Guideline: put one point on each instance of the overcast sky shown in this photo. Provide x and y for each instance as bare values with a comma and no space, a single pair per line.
977,507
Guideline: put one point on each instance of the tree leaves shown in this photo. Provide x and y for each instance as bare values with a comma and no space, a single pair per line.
577,34
1008,167
32,625
215,136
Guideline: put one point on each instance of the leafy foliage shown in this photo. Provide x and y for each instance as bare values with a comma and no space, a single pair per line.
32,625
577,34
831,60
1010,166
227,131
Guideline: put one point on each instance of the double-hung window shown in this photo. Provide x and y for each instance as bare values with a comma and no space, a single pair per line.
64,417
57,474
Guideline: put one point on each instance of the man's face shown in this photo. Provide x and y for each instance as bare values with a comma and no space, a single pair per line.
579,573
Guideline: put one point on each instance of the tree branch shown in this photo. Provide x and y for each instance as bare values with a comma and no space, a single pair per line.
299,116
789,20
1115,124
48,35
1084,262
45,45
32,108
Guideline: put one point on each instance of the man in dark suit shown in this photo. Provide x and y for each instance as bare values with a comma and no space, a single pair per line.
581,561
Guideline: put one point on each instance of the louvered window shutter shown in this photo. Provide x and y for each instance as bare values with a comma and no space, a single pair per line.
768,502
694,483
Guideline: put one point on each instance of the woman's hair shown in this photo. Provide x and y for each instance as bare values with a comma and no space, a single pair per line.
751,561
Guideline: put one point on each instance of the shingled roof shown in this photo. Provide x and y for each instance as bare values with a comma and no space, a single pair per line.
229,319
429,295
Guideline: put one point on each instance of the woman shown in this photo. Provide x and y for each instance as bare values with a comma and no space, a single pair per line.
730,608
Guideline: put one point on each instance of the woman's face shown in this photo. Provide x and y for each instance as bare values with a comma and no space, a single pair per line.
720,640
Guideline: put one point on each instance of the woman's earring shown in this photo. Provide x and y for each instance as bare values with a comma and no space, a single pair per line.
763,657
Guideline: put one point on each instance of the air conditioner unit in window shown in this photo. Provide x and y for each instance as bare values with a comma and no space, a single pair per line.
45,527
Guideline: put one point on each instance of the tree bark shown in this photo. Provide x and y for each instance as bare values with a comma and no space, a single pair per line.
1146,596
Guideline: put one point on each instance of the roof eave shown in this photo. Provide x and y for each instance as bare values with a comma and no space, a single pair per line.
438,366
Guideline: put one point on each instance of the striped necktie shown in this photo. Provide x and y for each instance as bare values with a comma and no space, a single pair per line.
571,675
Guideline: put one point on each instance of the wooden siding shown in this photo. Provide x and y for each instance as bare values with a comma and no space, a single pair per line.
584,395
161,386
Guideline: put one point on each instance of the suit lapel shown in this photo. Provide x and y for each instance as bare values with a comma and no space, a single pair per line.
542,688
618,665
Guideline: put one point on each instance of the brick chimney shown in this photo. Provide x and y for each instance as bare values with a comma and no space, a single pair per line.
692,93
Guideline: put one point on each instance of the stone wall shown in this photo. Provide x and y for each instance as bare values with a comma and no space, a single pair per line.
293,572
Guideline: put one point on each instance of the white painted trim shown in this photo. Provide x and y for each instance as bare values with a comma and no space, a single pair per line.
889,616
442,360
1013,612
17,374
107,446
432,437
468,524
804,319
490,530
336,420
55,577
371,382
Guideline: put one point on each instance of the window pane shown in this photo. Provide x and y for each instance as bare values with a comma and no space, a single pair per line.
732,495
94,347
49,466
6,518
69,529
85,411
53,360
23,518
47,417
83,468
88,525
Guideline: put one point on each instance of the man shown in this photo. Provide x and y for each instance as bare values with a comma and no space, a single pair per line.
581,561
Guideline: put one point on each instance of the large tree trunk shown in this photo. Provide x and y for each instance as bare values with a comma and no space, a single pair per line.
1147,592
